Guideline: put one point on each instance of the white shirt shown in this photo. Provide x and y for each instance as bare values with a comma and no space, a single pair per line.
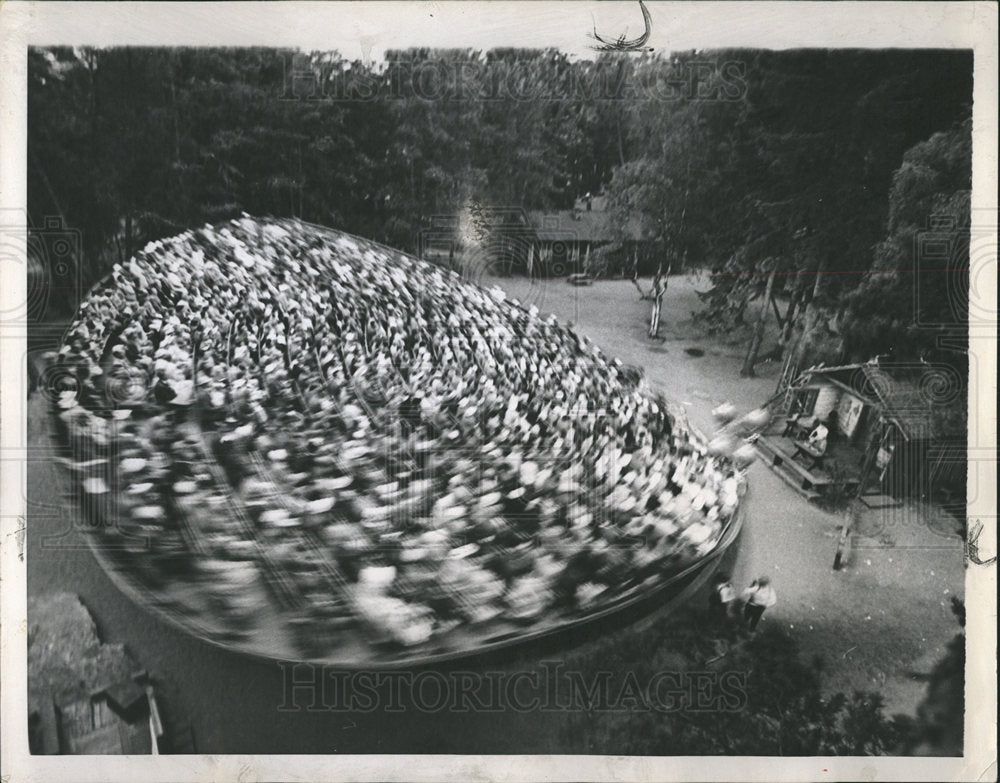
819,434
762,595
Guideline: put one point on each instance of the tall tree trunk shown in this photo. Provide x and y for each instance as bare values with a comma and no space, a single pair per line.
93,239
788,371
793,305
747,370
128,235
621,146
654,324
173,108
657,293
808,316
301,182
635,273
777,314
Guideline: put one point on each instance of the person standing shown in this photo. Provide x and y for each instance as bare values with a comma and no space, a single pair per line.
720,600
759,596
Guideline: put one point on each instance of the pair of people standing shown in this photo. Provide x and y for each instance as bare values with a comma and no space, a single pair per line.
757,597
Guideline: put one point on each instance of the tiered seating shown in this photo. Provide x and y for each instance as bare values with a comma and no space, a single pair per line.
374,439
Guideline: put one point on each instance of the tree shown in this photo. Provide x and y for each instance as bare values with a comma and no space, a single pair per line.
916,292
784,156
747,370
660,283
779,707
939,726
796,169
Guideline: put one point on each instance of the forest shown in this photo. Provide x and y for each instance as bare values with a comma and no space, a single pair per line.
809,178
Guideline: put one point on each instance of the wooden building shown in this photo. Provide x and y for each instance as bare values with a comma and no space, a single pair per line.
565,242
894,431
587,240
583,240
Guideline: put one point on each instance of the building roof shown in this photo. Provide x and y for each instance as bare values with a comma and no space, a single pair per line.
904,401
584,225
921,399
579,224
570,225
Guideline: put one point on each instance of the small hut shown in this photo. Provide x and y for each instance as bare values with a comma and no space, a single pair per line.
585,240
581,241
893,431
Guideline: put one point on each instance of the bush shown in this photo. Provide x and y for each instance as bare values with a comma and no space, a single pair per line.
783,712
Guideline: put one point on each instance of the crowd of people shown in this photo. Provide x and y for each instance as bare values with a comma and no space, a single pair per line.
275,406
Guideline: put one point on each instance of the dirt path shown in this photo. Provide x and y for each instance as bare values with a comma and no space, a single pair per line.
887,613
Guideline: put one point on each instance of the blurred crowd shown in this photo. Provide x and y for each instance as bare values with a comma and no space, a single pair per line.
274,406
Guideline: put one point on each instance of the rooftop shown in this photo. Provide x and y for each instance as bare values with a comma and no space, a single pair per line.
924,400
581,224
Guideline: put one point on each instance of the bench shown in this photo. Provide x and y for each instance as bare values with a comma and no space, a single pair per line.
811,456
580,278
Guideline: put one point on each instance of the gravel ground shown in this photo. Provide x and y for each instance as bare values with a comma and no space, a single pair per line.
885,615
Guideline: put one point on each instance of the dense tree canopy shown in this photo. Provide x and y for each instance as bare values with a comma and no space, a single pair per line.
916,290
765,699
794,175
740,162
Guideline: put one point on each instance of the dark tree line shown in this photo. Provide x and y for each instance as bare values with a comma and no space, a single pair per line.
808,187
130,144
799,177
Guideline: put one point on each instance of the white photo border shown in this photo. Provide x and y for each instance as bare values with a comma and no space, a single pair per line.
359,29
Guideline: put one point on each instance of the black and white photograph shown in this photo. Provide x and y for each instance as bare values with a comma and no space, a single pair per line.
456,387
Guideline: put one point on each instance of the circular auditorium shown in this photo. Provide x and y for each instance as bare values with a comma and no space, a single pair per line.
301,444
